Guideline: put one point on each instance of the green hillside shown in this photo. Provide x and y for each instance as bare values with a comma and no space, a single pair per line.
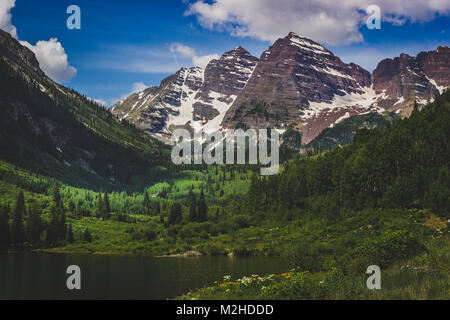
59,133
343,132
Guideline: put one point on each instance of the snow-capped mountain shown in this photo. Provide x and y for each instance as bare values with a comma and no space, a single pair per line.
194,97
295,82
301,82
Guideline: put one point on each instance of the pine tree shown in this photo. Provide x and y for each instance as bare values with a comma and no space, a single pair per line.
51,237
72,208
56,193
77,211
202,211
176,214
61,222
4,228
106,207
17,227
146,204
34,225
100,206
87,236
70,238
192,207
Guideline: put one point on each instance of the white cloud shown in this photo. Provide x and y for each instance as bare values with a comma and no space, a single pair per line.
188,52
138,87
135,88
5,17
203,61
328,21
185,51
50,54
52,59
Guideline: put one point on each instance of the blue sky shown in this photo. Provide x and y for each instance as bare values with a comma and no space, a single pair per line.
125,45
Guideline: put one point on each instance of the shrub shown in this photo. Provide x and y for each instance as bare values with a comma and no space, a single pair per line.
242,221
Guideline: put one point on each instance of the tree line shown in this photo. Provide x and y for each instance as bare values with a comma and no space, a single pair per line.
405,165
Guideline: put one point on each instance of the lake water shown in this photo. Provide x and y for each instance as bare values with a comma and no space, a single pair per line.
43,275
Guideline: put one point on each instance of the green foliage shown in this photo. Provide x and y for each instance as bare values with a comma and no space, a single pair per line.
17,227
404,165
87,236
61,134
34,226
4,228
192,207
343,132
176,214
202,208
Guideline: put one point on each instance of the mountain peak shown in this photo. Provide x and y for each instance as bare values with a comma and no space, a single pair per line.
236,52
294,35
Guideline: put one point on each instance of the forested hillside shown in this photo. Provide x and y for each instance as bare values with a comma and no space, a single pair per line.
342,133
55,131
405,165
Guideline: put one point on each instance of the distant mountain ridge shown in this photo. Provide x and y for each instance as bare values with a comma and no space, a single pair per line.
296,82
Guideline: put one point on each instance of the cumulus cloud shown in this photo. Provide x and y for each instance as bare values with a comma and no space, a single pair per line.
5,17
52,59
138,87
203,61
188,52
50,54
183,50
135,88
328,21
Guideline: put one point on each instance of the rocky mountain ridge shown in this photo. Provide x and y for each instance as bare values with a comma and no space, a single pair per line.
296,82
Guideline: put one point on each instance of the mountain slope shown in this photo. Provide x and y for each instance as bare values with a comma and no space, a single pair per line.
53,130
194,97
343,131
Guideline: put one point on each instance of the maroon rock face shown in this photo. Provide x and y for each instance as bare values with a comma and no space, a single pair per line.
408,79
291,74
296,81
402,77
229,74
436,65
